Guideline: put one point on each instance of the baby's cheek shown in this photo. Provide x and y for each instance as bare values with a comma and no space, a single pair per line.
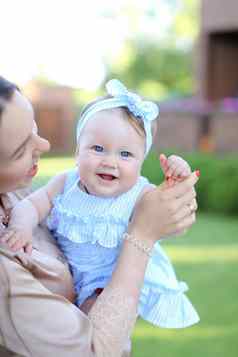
131,172
87,162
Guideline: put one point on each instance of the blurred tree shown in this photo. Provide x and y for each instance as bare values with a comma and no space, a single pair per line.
152,69
185,26
160,67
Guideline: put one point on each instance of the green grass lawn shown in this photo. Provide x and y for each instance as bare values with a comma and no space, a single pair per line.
207,259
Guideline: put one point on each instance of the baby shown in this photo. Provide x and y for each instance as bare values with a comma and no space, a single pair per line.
89,207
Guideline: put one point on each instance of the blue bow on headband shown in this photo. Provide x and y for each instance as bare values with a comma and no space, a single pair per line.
141,109
121,97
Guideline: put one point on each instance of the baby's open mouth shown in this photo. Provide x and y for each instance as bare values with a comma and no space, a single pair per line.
107,177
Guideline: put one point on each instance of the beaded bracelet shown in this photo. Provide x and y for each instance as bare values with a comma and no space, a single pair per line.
142,246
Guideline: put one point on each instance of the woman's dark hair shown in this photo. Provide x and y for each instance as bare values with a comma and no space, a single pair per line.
7,90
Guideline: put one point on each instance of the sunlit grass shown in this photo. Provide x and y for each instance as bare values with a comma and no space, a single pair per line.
51,166
203,254
202,332
207,259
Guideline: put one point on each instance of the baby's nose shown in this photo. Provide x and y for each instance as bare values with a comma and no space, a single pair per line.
110,161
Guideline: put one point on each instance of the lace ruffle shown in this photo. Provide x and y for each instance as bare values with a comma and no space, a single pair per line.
106,231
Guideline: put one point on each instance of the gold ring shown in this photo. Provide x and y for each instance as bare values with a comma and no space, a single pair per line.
191,208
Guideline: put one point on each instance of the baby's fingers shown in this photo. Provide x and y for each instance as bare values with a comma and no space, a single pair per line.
175,170
19,243
182,171
7,236
12,241
28,248
177,166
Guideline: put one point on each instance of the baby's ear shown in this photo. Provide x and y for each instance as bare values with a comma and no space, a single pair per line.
77,154
154,128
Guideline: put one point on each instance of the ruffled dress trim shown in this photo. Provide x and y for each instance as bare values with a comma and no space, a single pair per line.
105,231
162,299
99,220
167,308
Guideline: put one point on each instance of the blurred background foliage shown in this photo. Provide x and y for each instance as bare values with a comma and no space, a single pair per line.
157,67
155,72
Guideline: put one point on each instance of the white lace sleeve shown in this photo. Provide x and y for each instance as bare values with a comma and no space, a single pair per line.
113,317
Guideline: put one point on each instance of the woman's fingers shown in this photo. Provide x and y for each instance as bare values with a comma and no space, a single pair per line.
182,187
182,225
185,211
175,205
183,216
186,200
193,205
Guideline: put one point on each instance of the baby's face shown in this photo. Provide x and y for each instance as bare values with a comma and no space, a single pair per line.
110,154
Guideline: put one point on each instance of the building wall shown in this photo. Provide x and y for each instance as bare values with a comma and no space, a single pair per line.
225,132
176,130
219,15
184,132
55,114
57,126
217,49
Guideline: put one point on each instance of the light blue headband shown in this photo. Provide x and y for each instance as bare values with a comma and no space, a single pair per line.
146,111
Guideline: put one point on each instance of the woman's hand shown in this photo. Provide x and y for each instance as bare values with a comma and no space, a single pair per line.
166,211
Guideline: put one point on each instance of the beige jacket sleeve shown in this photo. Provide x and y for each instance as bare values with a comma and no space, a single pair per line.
36,315
36,322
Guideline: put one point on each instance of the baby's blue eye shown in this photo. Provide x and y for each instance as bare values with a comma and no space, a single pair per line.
98,148
125,154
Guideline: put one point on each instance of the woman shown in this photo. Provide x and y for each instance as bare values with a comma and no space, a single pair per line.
36,315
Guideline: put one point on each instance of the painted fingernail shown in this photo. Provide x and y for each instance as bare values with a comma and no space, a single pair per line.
197,173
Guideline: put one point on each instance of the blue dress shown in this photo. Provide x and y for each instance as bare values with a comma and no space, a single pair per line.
89,229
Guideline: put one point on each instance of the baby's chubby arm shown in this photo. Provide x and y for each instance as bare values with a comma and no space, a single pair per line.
29,212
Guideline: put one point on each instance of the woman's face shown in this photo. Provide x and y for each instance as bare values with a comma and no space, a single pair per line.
20,145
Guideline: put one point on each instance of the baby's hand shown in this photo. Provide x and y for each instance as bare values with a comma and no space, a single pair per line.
175,169
17,238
